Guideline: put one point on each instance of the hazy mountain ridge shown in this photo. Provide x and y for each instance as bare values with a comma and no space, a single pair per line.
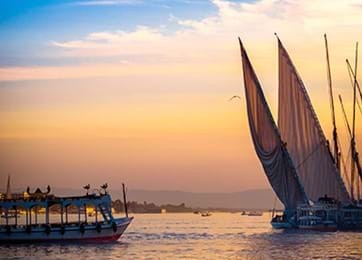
249,199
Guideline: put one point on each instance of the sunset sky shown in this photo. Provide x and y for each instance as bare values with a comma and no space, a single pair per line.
137,91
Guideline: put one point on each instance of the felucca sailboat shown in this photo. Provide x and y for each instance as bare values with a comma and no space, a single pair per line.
295,155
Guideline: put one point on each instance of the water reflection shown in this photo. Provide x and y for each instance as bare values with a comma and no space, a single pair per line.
223,235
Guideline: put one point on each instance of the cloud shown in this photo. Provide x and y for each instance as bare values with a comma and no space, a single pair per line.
296,20
213,39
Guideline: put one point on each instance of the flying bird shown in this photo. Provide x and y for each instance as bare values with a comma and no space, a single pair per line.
234,97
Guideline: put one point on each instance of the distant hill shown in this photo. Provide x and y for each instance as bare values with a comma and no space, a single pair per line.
250,199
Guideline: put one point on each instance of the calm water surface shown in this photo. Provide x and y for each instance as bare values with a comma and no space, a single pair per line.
190,236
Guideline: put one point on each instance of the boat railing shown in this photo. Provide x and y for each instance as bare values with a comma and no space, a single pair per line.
64,206
58,225
49,197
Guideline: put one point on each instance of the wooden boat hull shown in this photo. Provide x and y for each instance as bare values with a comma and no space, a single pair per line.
106,233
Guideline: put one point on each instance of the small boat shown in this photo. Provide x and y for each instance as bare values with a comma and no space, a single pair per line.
255,213
206,214
105,227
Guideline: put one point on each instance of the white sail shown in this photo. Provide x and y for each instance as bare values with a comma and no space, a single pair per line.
273,155
306,143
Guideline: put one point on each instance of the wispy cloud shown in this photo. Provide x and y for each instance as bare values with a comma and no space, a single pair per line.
213,38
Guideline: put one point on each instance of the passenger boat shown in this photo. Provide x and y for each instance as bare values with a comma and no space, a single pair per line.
104,227
296,157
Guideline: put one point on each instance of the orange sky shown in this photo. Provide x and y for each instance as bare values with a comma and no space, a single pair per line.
167,123
177,132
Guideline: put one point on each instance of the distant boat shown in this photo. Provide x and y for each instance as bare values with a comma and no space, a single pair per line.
255,213
251,213
206,214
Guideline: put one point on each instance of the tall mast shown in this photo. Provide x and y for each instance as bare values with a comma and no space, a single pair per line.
125,200
345,116
357,161
353,150
335,137
8,189
351,75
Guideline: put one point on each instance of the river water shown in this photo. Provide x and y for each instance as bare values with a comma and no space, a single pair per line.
190,236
